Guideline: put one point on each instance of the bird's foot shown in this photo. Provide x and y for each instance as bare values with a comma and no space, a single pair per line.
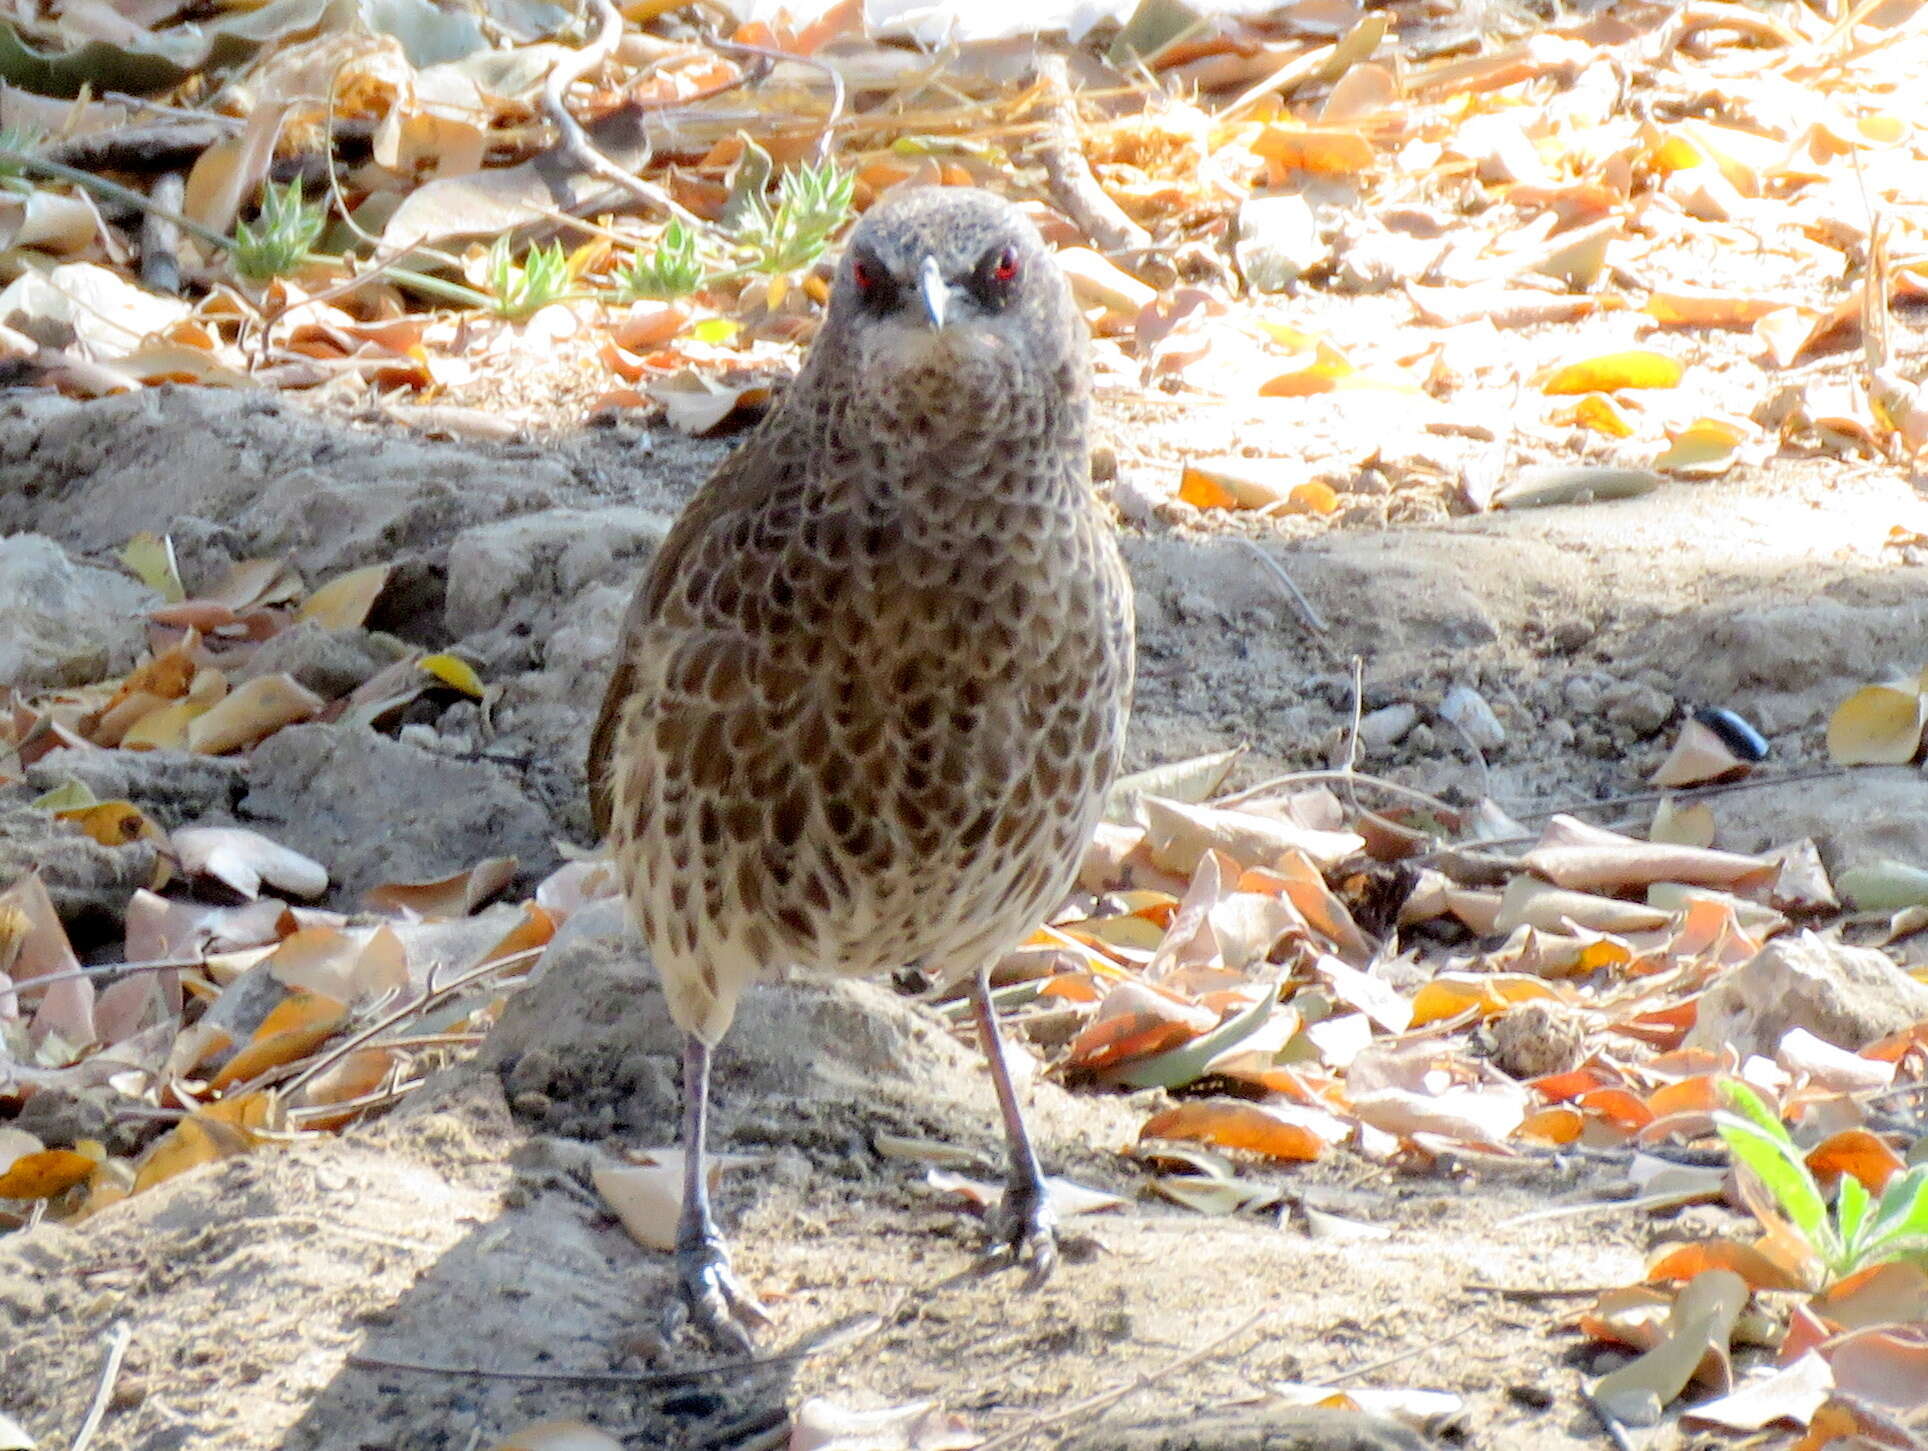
713,1299
1024,1231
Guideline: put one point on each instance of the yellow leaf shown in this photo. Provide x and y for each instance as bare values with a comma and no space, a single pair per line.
717,330
1324,151
1598,412
1633,368
344,602
1321,375
1879,725
1312,498
152,558
164,729
45,1174
111,823
454,671
1701,445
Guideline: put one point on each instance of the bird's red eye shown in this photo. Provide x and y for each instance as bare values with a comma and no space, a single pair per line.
864,275
1006,266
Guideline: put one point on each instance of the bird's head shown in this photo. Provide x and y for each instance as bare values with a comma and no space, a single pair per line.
949,295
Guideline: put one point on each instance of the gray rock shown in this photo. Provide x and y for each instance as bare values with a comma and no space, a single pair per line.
1847,996
83,878
63,623
1640,708
374,810
329,662
1278,242
505,570
172,787
1466,708
1387,726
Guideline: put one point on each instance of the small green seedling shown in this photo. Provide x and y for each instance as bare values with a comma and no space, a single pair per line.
518,289
1862,1231
284,228
791,234
672,269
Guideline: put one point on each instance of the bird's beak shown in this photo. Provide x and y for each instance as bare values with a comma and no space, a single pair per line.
935,291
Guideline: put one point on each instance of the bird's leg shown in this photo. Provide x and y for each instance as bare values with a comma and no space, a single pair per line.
1025,1228
718,1304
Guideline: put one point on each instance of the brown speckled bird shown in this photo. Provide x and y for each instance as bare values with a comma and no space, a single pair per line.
873,687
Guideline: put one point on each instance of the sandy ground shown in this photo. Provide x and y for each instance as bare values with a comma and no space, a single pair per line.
460,1231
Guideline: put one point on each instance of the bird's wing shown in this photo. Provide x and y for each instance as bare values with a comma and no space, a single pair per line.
742,476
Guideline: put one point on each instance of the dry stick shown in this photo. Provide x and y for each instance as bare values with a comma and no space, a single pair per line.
1274,784
575,141
838,94
117,1337
1373,1367
1616,1432
433,998
1073,186
1104,1400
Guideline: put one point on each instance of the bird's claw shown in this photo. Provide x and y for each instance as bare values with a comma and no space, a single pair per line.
713,1299
1024,1231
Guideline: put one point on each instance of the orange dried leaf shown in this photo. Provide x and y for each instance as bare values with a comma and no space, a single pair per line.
1556,1125
1857,1152
1282,1132
296,1026
1202,491
189,1144
44,1174
1685,1261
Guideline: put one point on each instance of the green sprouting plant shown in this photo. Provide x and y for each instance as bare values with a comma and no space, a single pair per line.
285,226
788,235
517,289
672,269
18,141
1862,1231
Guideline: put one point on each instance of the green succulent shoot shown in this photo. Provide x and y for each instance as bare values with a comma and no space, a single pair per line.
285,226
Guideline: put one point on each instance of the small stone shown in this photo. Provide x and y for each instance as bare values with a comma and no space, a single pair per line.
1847,996
1572,636
1278,242
1382,729
1582,695
62,623
1640,708
1466,708
1538,1038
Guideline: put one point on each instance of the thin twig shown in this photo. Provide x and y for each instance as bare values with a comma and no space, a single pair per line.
838,94
117,1337
1351,767
1314,622
1068,173
108,969
1104,1400
1616,1432
574,141
1373,1367
1275,784
422,1004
